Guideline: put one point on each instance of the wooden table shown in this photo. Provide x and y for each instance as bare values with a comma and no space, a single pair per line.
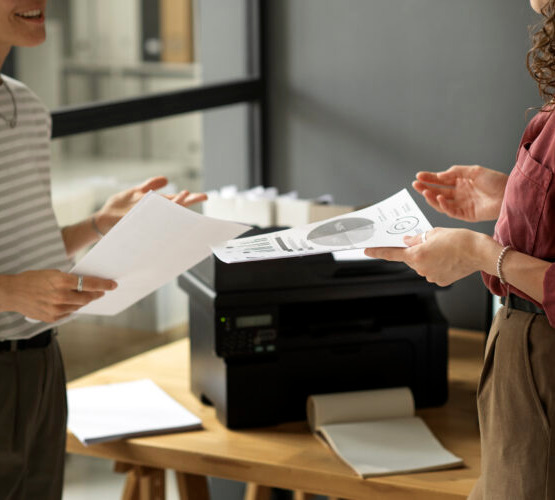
285,456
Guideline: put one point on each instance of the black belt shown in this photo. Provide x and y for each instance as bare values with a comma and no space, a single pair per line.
516,302
41,340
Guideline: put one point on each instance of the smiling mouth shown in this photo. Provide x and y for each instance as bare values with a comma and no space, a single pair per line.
31,14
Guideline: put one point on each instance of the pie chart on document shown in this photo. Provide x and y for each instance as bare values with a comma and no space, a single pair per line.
343,232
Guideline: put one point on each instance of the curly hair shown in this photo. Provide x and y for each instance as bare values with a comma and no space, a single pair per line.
540,59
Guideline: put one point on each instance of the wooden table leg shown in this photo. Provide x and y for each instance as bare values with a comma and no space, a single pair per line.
303,495
131,488
152,483
142,483
257,492
192,486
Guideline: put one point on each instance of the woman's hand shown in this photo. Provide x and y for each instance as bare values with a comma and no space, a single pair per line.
84,233
469,193
49,295
447,255
119,204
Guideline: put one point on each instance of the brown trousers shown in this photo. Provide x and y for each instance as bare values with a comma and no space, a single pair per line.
516,409
33,414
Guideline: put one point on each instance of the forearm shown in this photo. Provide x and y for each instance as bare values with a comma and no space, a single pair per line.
520,270
6,302
80,235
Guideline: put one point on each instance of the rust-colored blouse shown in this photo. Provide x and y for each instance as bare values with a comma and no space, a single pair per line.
527,218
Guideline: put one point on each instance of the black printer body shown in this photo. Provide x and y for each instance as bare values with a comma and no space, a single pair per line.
267,334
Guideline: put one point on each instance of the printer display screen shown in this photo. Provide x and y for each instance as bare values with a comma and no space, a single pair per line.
253,320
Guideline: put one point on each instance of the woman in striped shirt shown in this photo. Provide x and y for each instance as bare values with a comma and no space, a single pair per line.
34,282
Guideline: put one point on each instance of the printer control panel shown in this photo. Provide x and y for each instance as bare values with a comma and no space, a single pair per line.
246,334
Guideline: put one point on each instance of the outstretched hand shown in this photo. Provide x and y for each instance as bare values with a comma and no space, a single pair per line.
469,193
119,204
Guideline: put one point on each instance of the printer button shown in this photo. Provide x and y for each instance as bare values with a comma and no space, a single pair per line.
267,335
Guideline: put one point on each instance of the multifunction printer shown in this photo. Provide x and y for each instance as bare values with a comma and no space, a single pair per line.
265,335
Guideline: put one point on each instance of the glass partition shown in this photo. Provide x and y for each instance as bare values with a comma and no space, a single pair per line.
104,50
130,83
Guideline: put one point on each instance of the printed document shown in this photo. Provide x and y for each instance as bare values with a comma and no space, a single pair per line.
381,225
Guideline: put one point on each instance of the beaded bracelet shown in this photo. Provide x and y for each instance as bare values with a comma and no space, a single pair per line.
499,264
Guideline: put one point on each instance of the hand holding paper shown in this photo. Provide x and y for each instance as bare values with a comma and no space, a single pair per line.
152,244
447,255
157,240
381,225
117,205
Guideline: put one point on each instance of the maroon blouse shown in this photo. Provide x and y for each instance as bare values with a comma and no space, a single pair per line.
527,218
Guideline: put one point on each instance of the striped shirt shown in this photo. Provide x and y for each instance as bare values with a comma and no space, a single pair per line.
30,238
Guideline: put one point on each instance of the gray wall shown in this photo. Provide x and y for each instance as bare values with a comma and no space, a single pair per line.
364,93
220,43
222,51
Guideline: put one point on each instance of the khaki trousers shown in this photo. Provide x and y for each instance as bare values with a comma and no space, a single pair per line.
33,414
516,409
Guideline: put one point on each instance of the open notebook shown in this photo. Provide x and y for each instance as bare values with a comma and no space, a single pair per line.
377,433
128,409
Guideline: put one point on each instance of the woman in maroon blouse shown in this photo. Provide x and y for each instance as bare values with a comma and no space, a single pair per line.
516,393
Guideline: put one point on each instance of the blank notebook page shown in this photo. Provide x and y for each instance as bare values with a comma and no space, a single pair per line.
388,446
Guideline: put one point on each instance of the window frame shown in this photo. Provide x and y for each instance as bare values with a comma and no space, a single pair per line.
252,91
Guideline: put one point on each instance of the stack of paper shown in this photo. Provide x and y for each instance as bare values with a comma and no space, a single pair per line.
123,410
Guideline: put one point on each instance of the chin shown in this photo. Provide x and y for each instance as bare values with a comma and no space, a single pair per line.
32,41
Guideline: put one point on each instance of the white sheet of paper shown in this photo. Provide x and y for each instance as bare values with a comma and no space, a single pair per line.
153,243
350,255
381,225
114,411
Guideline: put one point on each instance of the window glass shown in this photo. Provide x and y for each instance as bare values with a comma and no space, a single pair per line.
103,50
88,168
223,36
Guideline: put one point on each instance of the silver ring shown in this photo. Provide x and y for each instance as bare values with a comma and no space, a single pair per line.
80,283
424,236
